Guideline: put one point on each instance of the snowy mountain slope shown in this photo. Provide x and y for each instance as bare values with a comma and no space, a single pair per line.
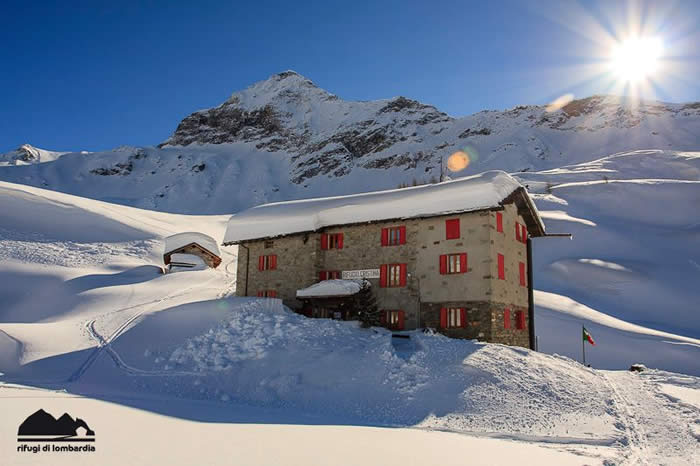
69,260
619,344
27,154
93,316
285,138
635,221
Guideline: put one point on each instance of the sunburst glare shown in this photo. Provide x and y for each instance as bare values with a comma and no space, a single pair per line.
636,59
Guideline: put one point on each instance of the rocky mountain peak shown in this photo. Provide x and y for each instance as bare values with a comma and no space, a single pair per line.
28,154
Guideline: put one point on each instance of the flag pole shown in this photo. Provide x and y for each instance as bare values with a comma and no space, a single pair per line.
583,344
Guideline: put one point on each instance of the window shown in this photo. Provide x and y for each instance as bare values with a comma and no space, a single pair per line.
332,241
452,229
392,275
521,268
267,294
520,320
267,262
269,244
453,263
393,236
453,317
520,232
499,222
329,275
501,267
394,319
506,318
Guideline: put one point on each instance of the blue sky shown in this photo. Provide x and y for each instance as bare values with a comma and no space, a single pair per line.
95,75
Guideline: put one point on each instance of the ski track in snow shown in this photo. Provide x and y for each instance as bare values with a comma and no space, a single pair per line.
104,343
656,431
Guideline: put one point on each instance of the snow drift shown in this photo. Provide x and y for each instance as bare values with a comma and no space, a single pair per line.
259,353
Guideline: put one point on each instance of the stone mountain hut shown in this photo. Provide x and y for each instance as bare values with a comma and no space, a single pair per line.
454,256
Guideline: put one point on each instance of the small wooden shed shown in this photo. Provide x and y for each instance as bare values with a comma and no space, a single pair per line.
194,243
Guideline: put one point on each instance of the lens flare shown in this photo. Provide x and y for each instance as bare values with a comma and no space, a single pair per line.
559,102
458,161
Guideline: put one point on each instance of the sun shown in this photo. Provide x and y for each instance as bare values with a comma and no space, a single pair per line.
636,59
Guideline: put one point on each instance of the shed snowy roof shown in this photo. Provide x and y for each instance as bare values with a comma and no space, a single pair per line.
190,259
478,192
330,288
179,240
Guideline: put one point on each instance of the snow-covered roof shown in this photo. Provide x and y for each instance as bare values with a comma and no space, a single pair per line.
183,239
330,288
478,192
190,259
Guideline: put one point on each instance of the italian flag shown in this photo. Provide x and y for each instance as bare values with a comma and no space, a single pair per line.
587,337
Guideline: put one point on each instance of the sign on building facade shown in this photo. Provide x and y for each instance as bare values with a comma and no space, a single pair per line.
357,274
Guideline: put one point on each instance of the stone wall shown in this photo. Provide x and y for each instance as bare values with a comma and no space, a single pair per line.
512,336
297,257
508,291
478,319
300,259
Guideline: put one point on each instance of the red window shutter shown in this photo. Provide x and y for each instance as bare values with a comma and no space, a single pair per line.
523,233
382,276
324,241
322,275
520,316
443,264
271,294
402,235
402,274
463,317
340,241
521,266
385,236
499,222
443,318
401,320
506,318
517,231
463,262
261,262
260,294
273,262
452,228
501,267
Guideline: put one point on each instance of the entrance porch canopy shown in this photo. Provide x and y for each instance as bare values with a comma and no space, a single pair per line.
331,289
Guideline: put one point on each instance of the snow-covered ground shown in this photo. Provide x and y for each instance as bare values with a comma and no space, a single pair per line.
635,256
90,326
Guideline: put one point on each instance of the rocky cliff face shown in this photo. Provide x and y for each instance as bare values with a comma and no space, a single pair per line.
286,138
27,154
326,135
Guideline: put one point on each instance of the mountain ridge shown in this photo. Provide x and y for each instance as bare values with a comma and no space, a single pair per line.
286,138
